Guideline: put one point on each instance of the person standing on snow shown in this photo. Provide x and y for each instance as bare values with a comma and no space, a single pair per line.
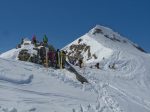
80,60
51,58
34,41
42,53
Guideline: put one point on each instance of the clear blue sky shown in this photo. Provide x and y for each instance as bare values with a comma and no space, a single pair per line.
65,20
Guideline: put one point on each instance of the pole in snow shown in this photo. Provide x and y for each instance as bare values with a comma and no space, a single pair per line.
46,57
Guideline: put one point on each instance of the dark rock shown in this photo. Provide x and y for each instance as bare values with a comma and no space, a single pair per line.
97,30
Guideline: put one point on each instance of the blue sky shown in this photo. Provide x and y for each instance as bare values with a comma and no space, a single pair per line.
65,20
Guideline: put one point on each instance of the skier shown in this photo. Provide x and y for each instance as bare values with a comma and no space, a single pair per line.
97,66
112,66
42,54
51,58
34,41
80,60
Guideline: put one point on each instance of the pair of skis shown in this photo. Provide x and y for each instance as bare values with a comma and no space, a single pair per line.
60,60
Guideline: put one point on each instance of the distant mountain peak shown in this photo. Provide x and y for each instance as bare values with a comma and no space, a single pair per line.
101,29
112,35
107,32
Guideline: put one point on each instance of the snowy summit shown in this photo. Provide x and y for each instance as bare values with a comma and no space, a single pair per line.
117,71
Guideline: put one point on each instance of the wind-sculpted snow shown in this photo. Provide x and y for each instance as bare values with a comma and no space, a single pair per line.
12,109
16,81
11,54
9,73
7,110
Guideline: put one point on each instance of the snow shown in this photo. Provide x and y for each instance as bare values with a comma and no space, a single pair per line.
13,54
48,89
100,50
28,87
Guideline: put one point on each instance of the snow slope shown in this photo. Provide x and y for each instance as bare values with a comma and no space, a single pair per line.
129,81
104,43
13,53
27,87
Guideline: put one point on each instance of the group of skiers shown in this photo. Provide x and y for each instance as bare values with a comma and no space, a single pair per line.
47,55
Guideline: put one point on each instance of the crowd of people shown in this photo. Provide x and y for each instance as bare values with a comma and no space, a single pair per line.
47,55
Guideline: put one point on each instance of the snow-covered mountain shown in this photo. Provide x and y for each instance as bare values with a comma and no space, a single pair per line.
27,87
100,43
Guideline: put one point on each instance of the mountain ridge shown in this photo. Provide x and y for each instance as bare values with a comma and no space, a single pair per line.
101,43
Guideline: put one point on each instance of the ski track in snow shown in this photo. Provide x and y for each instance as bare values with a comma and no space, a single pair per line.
103,96
130,74
41,93
134,99
127,68
100,89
